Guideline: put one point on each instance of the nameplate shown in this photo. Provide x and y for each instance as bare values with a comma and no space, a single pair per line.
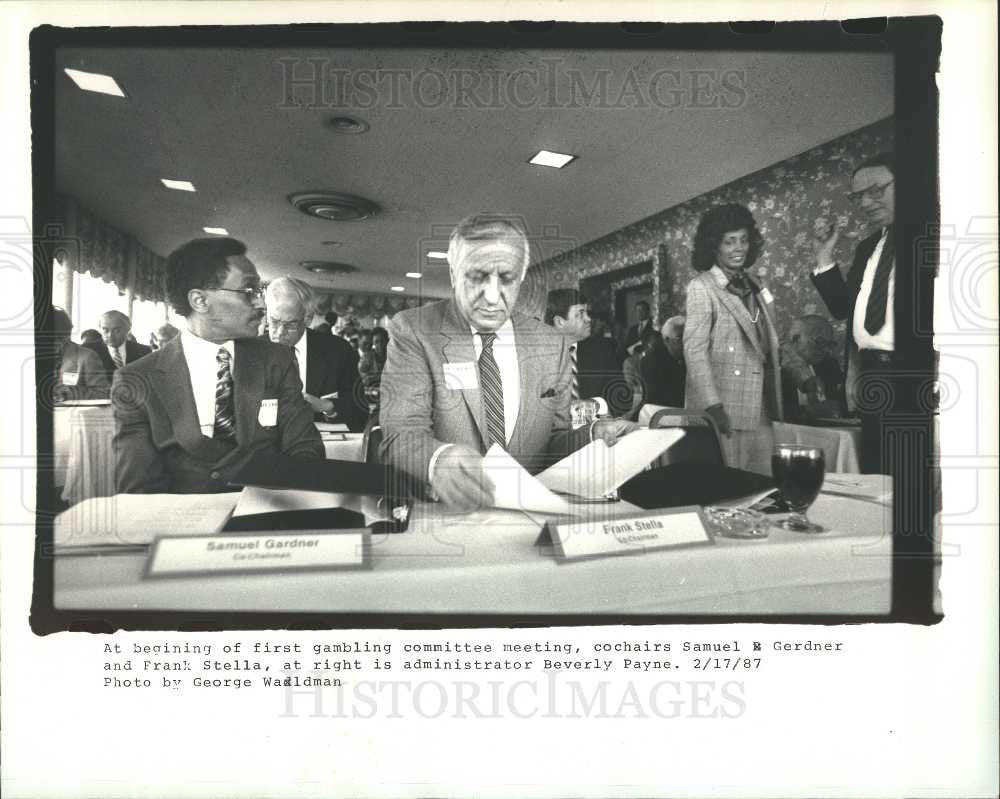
308,550
630,535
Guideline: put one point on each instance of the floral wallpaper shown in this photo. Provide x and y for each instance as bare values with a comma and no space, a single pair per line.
787,199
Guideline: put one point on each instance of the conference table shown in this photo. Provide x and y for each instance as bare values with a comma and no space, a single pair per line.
839,439
487,562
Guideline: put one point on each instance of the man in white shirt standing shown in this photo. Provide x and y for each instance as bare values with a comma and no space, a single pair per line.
189,415
469,372
865,300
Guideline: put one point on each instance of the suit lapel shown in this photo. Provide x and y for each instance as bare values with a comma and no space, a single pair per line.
172,384
529,378
316,365
735,306
248,386
458,347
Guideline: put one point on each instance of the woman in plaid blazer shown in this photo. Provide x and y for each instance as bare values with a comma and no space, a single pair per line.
730,343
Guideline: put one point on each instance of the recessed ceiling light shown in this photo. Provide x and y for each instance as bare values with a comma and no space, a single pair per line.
216,231
438,256
179,185
396,288
95,82
348,124
546,158
415,275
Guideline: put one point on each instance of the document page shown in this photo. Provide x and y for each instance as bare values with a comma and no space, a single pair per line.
518,490
597,469
134,519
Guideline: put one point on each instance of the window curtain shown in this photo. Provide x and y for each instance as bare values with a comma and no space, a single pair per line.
93,246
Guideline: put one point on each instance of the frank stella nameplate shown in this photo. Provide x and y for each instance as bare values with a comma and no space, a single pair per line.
177,556
627,535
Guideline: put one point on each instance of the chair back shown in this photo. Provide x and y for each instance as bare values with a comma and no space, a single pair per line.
700,443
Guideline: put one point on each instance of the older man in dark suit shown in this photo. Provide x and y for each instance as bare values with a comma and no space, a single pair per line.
328,365
115,348
188,416
466,373
865,298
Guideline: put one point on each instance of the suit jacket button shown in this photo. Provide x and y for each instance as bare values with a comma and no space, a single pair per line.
215,475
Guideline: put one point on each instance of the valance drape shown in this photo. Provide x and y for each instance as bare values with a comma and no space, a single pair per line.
95,247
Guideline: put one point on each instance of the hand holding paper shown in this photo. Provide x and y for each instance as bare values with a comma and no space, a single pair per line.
460,480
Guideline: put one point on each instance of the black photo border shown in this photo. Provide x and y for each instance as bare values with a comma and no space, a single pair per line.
914,43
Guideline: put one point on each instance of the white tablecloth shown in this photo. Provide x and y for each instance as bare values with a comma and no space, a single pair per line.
83,459
840,445
487,562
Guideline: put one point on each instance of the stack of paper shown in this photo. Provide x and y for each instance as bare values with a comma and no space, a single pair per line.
136,519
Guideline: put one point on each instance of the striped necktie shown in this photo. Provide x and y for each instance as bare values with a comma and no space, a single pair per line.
225,414
491,389
117,358
879,297
573,372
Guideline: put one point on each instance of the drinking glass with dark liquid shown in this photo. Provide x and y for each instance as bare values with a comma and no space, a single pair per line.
798,473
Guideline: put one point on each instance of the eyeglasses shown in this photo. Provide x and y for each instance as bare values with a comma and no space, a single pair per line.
252,293
874,193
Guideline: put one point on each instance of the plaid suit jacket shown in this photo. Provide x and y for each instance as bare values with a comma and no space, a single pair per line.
727,362
421,410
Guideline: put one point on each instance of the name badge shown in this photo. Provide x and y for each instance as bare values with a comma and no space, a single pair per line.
765,295
629,535
462,376
70,378
176,556
267,416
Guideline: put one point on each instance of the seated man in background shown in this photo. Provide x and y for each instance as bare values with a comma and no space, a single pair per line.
163,334
115,349
465,373
593,361
812,382
191,414
328,366
79,374
662,366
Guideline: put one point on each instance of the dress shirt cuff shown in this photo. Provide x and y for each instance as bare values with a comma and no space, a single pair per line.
819,270
430,468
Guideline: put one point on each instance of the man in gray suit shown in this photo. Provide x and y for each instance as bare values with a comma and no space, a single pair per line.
468,372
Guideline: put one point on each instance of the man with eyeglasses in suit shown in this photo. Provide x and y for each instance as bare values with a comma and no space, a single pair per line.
865,299
328,365
189,415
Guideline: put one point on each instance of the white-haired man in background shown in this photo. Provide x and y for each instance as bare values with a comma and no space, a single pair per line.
328,366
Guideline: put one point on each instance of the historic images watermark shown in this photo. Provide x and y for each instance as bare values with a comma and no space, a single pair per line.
547,697
313,83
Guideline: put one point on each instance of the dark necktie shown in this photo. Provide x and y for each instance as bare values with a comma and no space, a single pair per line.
877,300
573,371
225,414
491,389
